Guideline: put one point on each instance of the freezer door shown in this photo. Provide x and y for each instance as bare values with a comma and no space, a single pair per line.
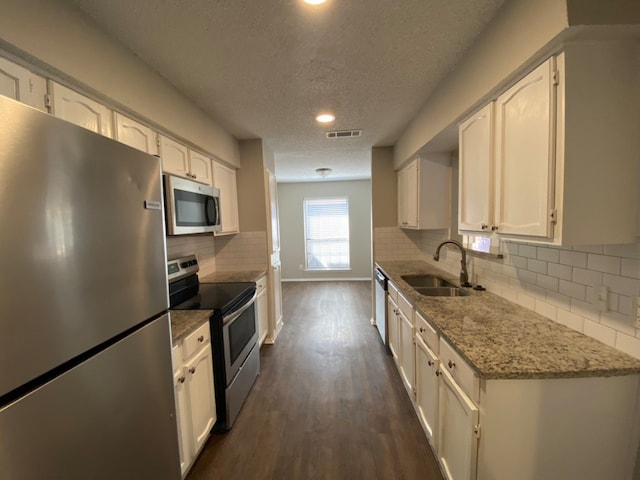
82,245
111,417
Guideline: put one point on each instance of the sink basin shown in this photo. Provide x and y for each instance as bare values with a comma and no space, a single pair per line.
427,281
441,291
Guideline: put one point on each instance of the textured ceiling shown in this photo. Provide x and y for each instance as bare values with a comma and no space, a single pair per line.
265,68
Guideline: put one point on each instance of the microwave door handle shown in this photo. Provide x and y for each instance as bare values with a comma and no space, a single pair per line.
216,202
207,210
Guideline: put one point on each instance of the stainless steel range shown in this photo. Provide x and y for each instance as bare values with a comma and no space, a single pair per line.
234,332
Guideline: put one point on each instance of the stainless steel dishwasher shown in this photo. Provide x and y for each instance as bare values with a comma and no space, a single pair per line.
381,306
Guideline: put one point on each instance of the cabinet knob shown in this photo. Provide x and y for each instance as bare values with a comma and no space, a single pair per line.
201,338
484,226
438,373
192,370
181,379
430,363
451,363
405,223
194,176
494,228
421,330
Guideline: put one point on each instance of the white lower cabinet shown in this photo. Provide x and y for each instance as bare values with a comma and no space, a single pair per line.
262,309
427,390
392,316
194,393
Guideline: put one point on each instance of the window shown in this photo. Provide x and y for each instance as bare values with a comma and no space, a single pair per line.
326,233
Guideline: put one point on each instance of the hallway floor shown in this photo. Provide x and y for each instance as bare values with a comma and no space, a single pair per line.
328,404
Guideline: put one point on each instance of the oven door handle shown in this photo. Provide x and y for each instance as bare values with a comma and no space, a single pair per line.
237,313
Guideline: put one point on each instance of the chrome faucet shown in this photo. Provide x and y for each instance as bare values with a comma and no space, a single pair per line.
464,276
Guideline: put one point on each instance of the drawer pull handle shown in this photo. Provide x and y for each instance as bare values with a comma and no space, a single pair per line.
181,379
201,338
451,363
192,370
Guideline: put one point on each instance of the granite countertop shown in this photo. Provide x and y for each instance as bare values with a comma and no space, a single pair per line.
183,322
502,340
241,276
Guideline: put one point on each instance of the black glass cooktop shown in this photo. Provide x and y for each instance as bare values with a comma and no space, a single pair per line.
220,297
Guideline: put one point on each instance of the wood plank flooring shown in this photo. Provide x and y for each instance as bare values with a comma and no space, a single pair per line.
328,403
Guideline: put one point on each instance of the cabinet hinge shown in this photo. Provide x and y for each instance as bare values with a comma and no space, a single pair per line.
30,86
47,100
556,77
553,215
158,141
476,430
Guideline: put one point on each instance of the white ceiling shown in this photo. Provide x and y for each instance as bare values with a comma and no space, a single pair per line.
265,68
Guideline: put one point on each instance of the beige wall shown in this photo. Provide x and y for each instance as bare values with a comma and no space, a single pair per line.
519,30
292,251
384,188
62,41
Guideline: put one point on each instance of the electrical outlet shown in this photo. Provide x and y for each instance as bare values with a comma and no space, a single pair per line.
600,297
637,312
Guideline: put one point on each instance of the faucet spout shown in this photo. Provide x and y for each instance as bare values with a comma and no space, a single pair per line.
464,275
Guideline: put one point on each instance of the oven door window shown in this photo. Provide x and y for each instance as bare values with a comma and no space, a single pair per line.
194,209
241,331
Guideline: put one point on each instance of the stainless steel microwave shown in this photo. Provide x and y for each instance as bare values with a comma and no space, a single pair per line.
190,207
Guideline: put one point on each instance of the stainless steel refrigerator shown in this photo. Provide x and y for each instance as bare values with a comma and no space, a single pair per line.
86,387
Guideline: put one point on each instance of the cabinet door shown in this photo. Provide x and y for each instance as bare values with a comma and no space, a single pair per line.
407,357
277,296
182,418
427,389
262,306
135,134
20,84
200,167
525,155
457,439
84,112
174,157
408,195
273,208
392,315
224,178
202,404
475,212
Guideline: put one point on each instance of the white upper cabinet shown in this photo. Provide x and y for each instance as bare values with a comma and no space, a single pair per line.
424,188
200,167
475,203
224,178
135,134
174,156
563,150
76,108
524,155
20,84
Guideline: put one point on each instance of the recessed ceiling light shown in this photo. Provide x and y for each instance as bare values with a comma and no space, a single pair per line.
314,2
325,118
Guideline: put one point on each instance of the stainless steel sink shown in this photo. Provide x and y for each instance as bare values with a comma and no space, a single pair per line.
441,291
427,281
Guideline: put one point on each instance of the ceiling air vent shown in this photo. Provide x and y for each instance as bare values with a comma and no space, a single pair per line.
344,134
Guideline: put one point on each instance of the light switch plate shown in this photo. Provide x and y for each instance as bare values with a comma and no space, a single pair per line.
637,325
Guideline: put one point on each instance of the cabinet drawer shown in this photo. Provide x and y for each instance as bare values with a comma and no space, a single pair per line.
460,370
194,342
261,284
393,291
426,332
406,307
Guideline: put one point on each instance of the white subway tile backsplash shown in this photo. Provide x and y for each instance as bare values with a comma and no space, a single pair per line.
564,272
527,276
511,248
574,259
510,294
537,266
603,263
628,344
584,309
586,277
571,320
622,285
519,262
548,254
547,282
528,251
616,321
546,309
559,300
625,305
526,301
600,332
630,267
571,289
631,250
589,248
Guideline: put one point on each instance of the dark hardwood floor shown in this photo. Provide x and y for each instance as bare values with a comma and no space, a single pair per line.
328,403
